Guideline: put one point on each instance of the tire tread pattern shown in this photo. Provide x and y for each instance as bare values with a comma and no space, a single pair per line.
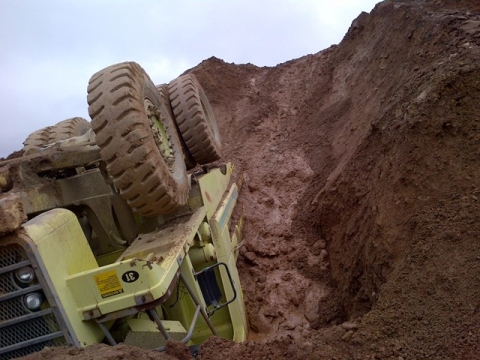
37,139
66,129
195,119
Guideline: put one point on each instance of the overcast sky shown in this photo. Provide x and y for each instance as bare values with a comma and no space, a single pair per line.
50,48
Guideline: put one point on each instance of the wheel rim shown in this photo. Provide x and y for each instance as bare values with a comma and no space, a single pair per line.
160,133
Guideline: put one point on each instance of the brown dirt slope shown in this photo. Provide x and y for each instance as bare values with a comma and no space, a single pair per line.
362,191
362,198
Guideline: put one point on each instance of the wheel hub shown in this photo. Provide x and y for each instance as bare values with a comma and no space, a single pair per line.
160,134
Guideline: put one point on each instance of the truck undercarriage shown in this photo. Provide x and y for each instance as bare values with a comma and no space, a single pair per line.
82,260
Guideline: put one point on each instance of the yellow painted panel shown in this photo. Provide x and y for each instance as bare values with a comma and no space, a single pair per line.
153,258
61,250
226,253
213,186
109,288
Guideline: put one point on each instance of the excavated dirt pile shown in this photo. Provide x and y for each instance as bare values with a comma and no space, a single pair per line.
362,189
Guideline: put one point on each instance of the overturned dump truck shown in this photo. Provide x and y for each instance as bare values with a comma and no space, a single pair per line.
117,230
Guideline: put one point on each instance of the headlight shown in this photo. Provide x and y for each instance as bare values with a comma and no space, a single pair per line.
33,301
25,274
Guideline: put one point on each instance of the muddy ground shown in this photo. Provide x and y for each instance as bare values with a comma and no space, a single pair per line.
362,238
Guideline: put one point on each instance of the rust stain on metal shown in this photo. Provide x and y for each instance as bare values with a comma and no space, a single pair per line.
207,195
148,264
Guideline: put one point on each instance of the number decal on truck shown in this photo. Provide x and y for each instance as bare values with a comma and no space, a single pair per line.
130,276
108,284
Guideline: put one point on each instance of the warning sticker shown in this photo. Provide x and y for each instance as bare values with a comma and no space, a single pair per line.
108,284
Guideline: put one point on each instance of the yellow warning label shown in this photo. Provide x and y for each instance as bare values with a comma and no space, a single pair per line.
108,284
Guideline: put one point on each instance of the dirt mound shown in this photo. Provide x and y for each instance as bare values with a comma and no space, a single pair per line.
363,187
362,190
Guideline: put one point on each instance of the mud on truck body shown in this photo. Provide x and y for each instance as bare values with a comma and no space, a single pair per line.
104,234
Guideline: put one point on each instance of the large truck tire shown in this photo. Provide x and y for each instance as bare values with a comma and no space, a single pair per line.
137,139
63,130
195,119
164,93
68,128
37,139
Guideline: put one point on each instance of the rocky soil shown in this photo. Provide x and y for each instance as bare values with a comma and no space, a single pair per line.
362,238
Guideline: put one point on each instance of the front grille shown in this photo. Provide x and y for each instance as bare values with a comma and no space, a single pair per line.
21,330
7,284
11,255
12,309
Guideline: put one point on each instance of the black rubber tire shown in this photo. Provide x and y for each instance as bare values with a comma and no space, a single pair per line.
150,182
195,119
37,139
68,128
190,162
